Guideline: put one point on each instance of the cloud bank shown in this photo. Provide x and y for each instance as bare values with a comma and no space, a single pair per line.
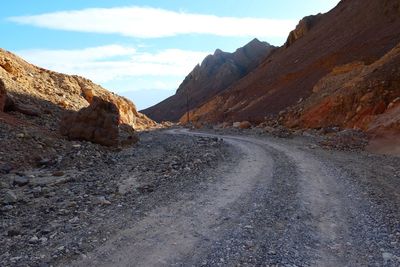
107,63
145,22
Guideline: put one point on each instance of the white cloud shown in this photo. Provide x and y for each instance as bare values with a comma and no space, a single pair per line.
50,57
107,63
145,22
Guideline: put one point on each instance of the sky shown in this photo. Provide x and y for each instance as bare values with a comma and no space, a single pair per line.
142,49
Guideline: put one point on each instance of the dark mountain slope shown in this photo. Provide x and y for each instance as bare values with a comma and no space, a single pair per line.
216,73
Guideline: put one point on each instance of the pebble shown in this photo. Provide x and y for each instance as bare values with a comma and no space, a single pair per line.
13,232
20,135
4,185
21,180
58,173
103,201
5,168
45,162
34,240
10,197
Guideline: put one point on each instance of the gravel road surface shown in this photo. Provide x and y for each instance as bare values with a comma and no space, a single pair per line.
277,202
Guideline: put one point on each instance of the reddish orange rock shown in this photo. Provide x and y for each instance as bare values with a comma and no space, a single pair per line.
245,125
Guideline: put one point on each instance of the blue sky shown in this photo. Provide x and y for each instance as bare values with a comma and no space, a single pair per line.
142,49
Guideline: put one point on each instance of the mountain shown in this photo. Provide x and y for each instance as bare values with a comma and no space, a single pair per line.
354,31
216,73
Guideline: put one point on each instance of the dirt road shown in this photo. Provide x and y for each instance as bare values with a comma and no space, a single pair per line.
281,203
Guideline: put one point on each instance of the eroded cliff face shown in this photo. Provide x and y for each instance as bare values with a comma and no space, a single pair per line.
354,31
215,74
304,26
358,96
46,94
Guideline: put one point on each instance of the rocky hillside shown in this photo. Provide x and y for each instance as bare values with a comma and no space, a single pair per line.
35,103
354,31
356,95
46,94
216,73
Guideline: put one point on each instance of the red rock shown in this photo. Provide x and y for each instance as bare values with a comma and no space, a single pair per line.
245,125
379,108
357,100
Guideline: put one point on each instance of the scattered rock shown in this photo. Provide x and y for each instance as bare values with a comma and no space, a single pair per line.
34,240
13,232
281,132
58,173
145,188
5,168
10,197
21,180
236,124
45,162
347,139
245,125
4,185
103,201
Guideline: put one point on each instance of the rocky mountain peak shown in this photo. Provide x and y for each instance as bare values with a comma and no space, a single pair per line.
218,52
217,72
255,43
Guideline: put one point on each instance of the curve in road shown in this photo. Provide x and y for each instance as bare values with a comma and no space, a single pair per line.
279,205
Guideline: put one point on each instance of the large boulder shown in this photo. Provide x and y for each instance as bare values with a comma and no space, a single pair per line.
128,113
98,123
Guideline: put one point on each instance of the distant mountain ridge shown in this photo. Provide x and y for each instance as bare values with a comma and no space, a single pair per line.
216,73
